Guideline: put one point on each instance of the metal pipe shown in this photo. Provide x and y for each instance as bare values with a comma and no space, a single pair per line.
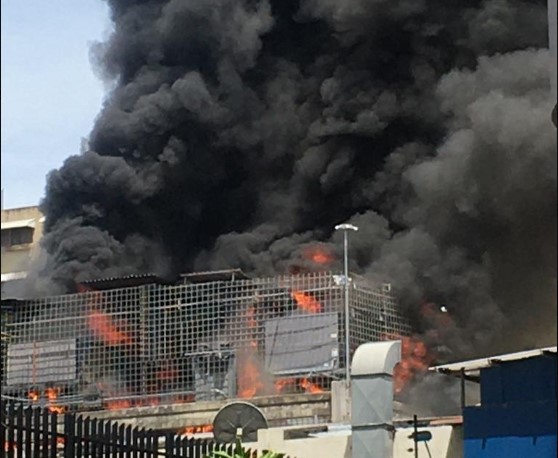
415,425
463,394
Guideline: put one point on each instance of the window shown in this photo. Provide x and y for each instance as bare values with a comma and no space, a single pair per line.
17,236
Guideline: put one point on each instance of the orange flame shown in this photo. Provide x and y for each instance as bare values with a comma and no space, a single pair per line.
415,359
33,395
151,402
292,385
191,430
310,387
307,302
103,327
118,404
250,383
319,255
52,396
250,377
284,384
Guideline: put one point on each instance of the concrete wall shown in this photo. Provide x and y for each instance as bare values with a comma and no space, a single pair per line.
446,443
18,258
326,447
279,410
517,415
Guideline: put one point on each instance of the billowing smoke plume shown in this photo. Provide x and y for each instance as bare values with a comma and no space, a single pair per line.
239,132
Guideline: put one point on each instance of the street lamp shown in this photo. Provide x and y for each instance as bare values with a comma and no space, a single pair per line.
346,228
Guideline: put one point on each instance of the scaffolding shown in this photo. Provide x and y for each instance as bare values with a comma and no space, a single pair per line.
202,339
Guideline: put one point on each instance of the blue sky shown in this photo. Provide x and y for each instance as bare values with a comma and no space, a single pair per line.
50,94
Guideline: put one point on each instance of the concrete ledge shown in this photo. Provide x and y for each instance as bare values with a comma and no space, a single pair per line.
279,411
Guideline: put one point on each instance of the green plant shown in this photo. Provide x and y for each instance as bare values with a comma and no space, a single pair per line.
241,452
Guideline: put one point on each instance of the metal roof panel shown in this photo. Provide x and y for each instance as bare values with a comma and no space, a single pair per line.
483,363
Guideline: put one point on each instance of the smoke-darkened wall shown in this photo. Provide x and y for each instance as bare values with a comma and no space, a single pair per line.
239,132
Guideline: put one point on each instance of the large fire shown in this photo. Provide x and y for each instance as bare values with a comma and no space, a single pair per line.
415,359
307,302
105,329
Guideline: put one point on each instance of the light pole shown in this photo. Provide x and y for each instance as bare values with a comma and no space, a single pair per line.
346,228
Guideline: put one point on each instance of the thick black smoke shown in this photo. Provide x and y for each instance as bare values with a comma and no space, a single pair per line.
238,132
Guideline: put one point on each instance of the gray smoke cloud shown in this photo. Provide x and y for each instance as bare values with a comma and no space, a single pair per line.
238,133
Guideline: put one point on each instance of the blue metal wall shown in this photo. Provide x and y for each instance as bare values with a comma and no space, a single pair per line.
517,416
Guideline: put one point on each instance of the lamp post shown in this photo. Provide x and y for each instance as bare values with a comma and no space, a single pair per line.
346,228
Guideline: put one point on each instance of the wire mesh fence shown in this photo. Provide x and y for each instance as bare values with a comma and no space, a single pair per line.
202,339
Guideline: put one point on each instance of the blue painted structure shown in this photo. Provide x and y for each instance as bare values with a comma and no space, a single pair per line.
517,415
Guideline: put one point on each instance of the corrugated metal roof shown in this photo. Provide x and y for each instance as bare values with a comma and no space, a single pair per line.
18,224
216,275
474,366
123,282
147,279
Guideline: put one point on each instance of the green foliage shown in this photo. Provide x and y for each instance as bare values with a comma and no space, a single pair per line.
241,452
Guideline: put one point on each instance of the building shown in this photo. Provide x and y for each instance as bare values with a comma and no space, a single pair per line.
516,417
22,229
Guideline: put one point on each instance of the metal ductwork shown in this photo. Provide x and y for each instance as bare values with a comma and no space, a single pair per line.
372,399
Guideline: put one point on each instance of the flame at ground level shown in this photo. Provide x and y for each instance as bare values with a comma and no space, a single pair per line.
191,430
51,394
294,385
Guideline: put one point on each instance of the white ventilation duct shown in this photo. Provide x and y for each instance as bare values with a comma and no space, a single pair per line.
372,399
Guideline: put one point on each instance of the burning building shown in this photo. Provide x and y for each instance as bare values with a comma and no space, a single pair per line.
139,341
